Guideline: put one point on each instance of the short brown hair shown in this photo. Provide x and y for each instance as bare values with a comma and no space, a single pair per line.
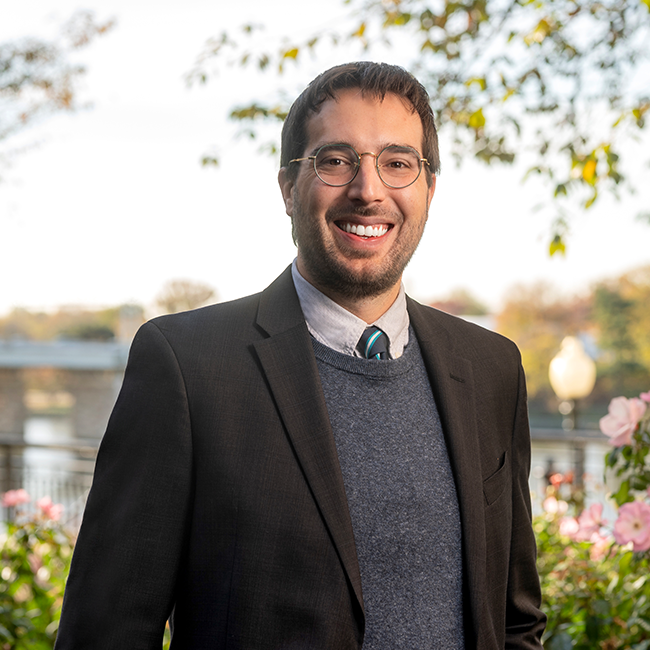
374,79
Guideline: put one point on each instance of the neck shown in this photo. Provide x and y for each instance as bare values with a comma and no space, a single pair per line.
367,309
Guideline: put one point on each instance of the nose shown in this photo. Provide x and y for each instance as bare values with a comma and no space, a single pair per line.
367,187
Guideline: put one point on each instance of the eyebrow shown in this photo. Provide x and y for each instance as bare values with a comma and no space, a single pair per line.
348,144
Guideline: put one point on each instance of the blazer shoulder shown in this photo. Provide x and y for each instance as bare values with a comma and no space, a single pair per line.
258,315
213,317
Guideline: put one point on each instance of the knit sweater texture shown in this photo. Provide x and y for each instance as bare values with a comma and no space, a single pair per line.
401,496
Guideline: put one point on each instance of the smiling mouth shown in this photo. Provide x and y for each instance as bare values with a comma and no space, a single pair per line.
363,231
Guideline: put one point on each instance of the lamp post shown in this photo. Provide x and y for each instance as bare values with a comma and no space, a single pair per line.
572,374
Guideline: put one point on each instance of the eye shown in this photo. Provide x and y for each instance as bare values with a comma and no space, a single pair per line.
398,163
398,159
335,159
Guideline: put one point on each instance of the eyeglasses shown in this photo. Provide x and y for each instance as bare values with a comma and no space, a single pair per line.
338,165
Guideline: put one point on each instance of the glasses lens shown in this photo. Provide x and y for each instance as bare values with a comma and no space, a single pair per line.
398,166
336,164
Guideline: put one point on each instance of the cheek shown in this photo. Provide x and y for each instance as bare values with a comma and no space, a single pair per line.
317,198
414,208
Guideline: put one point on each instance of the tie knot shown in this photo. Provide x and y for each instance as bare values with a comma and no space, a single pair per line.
374,344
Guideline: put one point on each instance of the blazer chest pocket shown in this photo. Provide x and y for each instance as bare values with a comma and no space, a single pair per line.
494,485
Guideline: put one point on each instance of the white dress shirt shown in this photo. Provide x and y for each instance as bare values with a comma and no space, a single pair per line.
339,329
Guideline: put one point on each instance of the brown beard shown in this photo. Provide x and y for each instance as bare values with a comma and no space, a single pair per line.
333,277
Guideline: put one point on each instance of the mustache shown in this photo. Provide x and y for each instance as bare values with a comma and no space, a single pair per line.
339,214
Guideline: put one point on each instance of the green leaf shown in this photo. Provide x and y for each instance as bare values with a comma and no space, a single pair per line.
557,246
590,201
592,628
401,19
479,81
612,457
623,494
360,31
625,563
209,161
561,641
601,607
539,34
291,54
589,171
477,119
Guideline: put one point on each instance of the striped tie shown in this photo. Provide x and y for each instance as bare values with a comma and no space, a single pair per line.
374,344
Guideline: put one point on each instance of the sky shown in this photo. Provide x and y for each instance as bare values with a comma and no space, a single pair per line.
107,204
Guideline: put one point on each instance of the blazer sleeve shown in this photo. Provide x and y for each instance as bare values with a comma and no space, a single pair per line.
525,621
120,590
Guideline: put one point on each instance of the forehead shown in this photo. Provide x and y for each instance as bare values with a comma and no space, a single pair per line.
365,122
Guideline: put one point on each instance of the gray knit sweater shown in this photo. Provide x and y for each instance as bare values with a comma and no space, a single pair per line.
401,496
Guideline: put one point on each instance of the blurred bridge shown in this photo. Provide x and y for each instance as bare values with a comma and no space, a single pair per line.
88,375
90,372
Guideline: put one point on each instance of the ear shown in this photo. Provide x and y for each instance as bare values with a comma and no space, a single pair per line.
286,187
431,191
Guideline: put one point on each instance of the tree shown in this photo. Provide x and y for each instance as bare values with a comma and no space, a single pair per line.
37,77
552,82
622,315
616,315
537,319
461,302
67,323
181,295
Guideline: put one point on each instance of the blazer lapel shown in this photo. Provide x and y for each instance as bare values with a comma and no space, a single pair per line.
452,383
290,368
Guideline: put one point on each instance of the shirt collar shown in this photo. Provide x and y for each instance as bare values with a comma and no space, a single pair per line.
337,328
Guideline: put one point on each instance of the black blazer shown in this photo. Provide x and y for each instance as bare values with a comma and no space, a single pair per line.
218,497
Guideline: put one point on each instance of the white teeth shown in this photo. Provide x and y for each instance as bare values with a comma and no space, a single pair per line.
365,231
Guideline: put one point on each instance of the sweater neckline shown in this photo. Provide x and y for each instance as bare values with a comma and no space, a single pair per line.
383,369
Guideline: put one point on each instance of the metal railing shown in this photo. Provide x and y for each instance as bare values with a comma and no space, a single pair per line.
63,471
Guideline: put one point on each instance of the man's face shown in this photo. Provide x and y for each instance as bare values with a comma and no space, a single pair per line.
342,263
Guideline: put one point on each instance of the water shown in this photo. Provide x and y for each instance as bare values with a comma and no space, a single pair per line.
63,475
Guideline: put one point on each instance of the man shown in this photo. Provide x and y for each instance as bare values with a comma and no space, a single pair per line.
266,485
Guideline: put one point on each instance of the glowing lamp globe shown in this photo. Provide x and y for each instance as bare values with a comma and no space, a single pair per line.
572,372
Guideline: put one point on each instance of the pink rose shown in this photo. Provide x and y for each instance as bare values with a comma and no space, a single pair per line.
554,506
645,396
569,526
600,546
15,498
589,523
35,563
624,415
633,525
49,509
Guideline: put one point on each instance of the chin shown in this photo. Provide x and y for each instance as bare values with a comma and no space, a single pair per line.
342,280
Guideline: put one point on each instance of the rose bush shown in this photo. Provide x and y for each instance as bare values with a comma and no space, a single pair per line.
596,577
623,419
35,550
